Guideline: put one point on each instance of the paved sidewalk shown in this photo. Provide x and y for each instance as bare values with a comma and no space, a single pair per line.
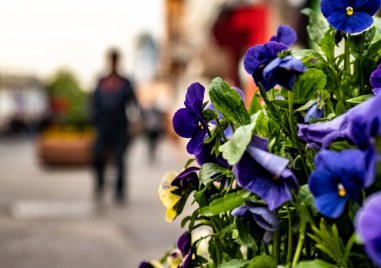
48,219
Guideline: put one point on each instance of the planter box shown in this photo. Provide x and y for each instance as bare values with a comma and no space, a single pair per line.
55,151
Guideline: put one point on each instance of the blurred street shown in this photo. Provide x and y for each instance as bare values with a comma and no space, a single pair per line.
48,218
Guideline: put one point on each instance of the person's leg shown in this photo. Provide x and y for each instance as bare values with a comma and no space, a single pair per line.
99,161
120,148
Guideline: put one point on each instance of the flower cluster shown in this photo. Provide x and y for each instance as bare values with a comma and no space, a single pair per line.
294,179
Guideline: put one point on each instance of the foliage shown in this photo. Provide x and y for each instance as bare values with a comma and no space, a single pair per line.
68,98
281,183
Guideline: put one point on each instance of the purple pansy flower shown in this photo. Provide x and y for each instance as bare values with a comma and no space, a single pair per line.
256,59
265,175
313,113
349,16
368,226
359,125
188,122
284,71
375,80
206,156
184,244
145,264
285,34
338,177
187,180
261,221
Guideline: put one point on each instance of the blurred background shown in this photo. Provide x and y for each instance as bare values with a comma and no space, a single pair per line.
52,54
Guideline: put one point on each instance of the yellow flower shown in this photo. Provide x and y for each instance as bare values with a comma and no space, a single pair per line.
167,198
174,260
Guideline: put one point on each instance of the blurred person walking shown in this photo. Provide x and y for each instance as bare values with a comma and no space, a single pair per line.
112,98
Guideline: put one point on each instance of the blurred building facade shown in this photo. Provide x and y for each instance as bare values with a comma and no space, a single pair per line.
23,103
205,39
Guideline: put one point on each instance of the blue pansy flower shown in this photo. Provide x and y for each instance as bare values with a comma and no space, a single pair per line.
339,176
284,71
375,80
265,174
359,125
368,226
349,16
313,113
261,221
285,34
188,122
257,58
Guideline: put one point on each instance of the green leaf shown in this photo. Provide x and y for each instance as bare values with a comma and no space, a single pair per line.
307,53
360,42
308,83
327,44
233,150
377,26
255,104
307,105
234,263
360,99
314,264
210,169
340,108
228,102
317,25
305,196
284,103
261,123
340,146
226,203
245,237
373,50
263,261
329,241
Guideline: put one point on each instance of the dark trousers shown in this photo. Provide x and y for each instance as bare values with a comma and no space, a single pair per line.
110,144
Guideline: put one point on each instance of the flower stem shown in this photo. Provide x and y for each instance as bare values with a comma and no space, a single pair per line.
347,66
276,245
292,128
221,130
289,236
302,232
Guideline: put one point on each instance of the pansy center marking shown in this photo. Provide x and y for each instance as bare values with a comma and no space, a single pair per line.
341,190
349,11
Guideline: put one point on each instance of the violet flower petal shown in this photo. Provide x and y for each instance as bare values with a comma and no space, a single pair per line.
184,123
368,226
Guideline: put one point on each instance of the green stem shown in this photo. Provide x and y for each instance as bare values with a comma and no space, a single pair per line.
347,64
221,130
302,232
217,247
349,246
289,236
292,128
276,246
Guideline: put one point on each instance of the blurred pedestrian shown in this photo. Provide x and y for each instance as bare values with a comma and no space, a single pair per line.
153,129
113,96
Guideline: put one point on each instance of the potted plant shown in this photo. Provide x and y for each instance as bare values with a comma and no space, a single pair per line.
293,180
